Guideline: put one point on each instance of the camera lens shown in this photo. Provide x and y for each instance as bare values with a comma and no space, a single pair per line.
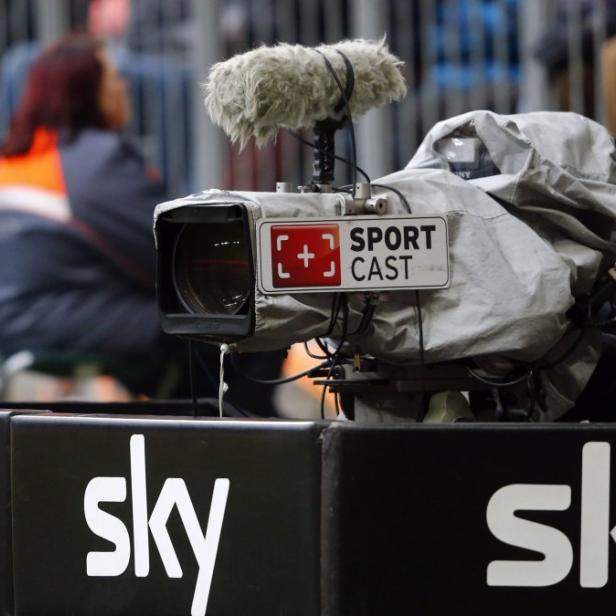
211,267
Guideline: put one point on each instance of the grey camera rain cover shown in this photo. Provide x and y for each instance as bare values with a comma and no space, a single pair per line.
526,233
557,172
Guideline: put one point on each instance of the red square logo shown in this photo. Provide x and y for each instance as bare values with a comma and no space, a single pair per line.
305,255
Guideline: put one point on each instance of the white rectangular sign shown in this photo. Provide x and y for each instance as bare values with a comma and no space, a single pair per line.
352,253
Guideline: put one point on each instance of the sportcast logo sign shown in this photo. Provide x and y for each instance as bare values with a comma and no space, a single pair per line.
352,253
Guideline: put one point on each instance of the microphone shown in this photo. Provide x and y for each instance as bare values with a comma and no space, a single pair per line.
291,86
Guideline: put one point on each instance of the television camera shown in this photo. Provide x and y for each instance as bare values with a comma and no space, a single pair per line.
460,273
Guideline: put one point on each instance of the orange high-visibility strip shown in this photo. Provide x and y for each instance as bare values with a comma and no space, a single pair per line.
40,167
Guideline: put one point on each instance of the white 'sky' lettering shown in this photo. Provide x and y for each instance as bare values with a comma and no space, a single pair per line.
555,546
174,493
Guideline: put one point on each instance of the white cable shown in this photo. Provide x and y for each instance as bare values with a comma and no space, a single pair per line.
222,387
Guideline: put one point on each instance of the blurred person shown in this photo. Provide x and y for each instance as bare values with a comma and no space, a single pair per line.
76,207
150,43
76,241
108,19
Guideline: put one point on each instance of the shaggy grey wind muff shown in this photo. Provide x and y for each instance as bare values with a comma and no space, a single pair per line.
290,86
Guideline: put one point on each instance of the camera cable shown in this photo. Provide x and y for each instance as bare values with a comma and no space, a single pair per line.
311,354
420,328
400,194
335,357
230,410
281,381
346,161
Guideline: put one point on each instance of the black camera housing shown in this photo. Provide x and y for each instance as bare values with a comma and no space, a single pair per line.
179,316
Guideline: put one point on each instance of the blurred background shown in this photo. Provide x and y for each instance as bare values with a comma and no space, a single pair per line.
505,55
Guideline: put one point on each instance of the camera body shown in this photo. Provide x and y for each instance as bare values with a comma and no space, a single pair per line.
222,257
476,252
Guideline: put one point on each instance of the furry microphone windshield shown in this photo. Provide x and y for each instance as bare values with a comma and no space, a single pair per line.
290,86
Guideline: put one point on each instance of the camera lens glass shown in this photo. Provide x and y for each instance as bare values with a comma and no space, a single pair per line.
212,269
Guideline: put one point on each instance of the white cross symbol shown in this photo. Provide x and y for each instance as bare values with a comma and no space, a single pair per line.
306,256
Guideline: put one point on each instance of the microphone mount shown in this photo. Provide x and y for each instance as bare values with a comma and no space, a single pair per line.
325,151
325,130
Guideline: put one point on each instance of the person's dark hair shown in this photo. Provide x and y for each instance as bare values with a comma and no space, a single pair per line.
61,93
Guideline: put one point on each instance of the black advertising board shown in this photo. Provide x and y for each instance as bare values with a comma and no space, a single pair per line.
172,516
151,516
6,578
431,521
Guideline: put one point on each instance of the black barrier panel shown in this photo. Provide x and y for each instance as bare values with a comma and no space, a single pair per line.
6,567
242,496
6,576
409,515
